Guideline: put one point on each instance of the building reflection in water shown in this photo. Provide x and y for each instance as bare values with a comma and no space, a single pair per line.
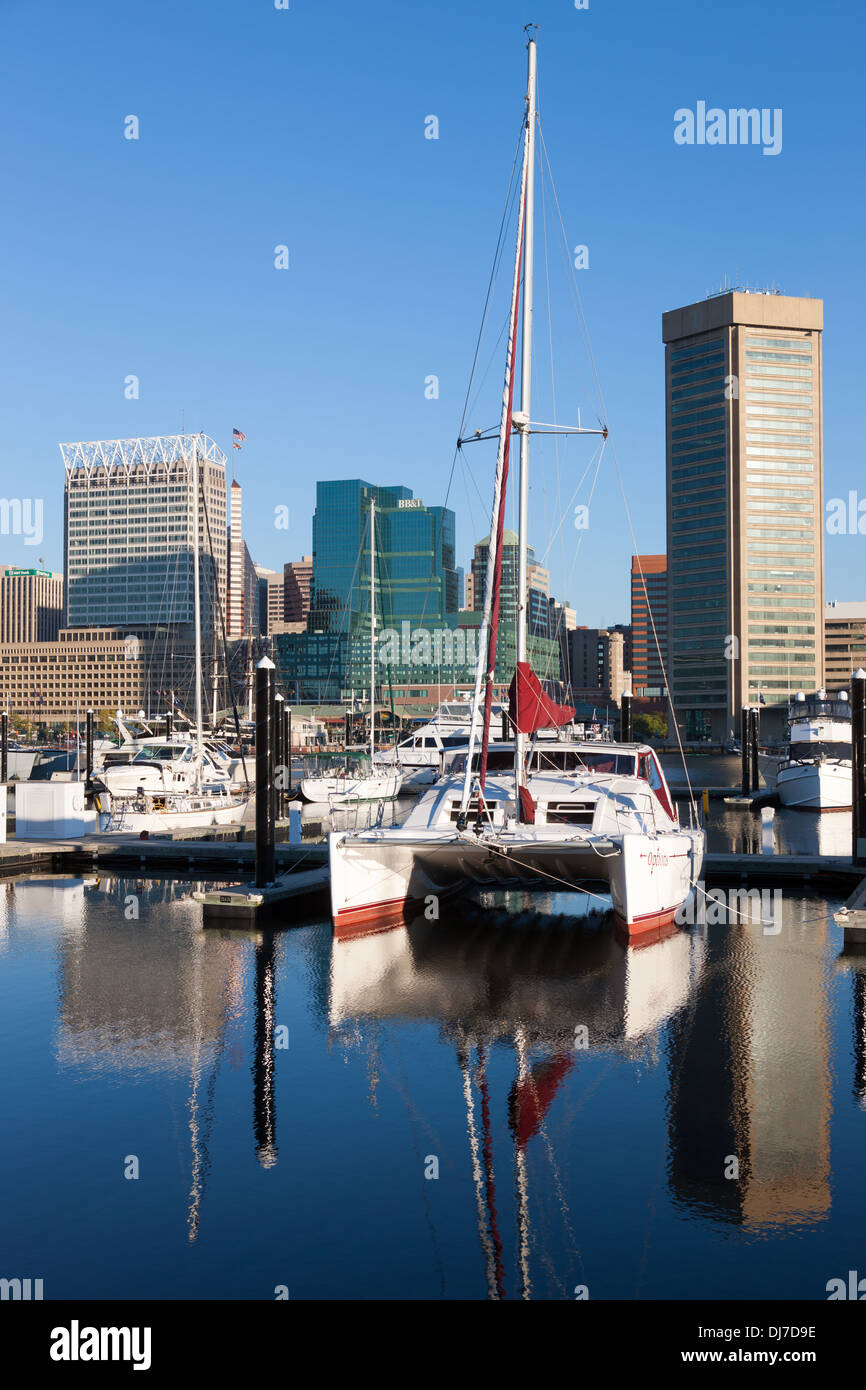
749,1067
164,998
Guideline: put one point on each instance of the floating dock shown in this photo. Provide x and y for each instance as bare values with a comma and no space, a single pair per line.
300,887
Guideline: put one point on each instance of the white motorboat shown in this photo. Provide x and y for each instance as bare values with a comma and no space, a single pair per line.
815,773
563,814
421,752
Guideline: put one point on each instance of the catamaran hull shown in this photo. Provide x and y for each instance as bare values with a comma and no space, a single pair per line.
379,882
816,786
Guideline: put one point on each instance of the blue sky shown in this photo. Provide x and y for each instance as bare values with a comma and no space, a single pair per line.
305,127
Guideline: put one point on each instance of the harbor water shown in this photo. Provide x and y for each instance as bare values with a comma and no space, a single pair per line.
505,1102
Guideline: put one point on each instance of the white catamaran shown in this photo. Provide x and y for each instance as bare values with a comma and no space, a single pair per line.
554,812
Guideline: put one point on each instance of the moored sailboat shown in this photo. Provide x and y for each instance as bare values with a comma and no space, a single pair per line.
549,812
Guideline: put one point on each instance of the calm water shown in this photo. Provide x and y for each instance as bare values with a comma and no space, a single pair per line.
454,1046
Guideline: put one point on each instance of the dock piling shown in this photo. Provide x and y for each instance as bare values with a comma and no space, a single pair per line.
744,749
169,725
265,819
858,742
287,744
754,723
279,759
4,748
88,747
625,718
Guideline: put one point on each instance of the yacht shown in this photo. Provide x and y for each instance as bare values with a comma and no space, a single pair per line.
815,771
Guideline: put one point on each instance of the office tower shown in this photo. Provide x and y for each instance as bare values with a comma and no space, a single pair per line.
242,602
562,621
745,511
649,625
416,574
235,587
297,578
129,529
470,605
537,583
597,662
271,600
844,643
416,597
31,605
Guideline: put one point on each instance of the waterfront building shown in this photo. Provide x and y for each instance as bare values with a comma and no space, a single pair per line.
31,605
130,520
844,643
102,669
743,385
649,625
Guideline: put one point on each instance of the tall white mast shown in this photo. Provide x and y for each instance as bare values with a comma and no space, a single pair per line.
372,630
506,425
526,386
196,588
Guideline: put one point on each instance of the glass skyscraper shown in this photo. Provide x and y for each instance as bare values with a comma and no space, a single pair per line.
417,591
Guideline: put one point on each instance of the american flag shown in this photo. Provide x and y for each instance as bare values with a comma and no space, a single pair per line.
238,439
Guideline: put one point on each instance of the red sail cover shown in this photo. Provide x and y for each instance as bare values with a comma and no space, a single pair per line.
528,706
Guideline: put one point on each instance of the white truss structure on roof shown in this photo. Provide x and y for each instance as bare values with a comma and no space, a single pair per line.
147,454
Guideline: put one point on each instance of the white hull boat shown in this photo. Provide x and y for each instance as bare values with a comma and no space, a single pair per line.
816,772
154,814
607,828
561,813
816,786
352,787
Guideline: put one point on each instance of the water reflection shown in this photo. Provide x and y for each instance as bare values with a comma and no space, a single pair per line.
750,1075
713,1044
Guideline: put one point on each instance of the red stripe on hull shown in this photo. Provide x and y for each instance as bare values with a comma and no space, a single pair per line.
373,917
652,927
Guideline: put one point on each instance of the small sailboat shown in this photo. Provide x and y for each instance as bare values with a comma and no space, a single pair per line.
359,778
547,811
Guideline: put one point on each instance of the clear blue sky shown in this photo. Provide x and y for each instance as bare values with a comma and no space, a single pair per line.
260,127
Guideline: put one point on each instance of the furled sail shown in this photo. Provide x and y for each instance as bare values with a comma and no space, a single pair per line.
528,706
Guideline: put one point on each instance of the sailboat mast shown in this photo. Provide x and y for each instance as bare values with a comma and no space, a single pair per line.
526,386
196,589
486,664
372,630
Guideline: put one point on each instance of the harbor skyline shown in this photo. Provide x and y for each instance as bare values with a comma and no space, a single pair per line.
433,701
284,345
